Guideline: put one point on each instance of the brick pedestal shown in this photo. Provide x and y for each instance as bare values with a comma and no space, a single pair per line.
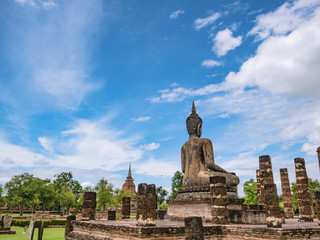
274,218
218,191
286,193
89,206
193,228
126,208
146,205
317,198
303,191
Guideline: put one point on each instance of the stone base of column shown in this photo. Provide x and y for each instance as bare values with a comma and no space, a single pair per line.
194,228
274,218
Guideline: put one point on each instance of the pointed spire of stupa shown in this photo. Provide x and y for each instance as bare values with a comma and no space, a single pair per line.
129,173
193,107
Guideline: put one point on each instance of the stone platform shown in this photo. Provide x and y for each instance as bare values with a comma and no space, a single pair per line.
7,232
164,229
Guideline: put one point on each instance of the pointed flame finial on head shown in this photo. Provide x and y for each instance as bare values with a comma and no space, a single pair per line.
193,108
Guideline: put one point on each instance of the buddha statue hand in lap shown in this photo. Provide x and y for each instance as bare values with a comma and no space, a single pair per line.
197,158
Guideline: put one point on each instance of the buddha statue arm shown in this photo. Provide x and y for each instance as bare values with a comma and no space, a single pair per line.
209,158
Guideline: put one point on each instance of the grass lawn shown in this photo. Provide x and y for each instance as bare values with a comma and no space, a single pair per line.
48,234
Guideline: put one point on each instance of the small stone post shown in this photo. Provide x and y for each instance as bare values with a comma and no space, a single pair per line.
40,232
274,218
303,191
286,193
218,192
260,188
317,197
193,228
6,222
112,215
89,206
146,205
31,229
126,208
69,226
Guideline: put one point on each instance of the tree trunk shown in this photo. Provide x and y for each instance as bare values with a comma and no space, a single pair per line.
21,209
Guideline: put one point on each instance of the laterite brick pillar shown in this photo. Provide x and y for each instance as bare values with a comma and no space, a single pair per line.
146,205
286,193
260,188
89,206
303,191
274,218
218,191
126,208
193,228
317,197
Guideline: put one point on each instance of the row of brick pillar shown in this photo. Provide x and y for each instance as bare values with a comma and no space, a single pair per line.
267,192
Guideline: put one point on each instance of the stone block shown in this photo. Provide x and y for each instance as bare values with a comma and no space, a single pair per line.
126,208
146,205
6,222
69,226
194,228
112,215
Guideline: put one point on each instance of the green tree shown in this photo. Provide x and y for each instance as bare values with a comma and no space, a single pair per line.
21,190
104,194
66,199
1,197
250,192
47,194
65,180
161,195
118,194
177,182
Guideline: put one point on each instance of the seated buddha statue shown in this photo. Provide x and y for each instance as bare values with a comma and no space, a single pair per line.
197,158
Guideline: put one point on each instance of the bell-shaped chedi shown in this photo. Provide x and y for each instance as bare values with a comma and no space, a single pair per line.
129,185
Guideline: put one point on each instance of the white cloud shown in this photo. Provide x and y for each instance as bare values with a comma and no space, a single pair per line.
203,22
53,55
157,168
209,63
224,42
46,4
46,143
285,64
87,184
176,14
151,146
141,119
286,18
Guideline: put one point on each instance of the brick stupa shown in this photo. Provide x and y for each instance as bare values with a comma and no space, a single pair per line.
129,185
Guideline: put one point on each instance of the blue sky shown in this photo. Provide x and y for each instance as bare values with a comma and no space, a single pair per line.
91,86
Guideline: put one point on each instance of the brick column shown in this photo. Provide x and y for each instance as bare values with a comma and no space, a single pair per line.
260,188
146,205
126,208
218,192
303,191
193,228
317,197
274,218
89,206
266,165
286,193
112,215
69,227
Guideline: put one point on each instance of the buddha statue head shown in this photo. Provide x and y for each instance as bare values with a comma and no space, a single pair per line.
194,123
